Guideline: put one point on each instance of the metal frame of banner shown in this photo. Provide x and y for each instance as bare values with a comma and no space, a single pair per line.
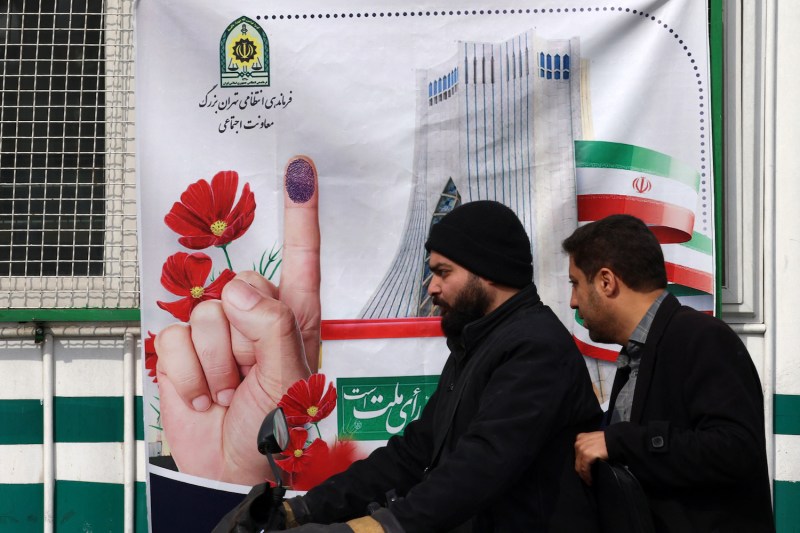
716,53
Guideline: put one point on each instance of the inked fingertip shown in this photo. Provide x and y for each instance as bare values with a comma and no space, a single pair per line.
300,180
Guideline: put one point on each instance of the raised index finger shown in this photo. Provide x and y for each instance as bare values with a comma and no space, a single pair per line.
300,271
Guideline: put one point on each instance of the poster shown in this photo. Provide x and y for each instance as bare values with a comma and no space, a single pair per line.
380,118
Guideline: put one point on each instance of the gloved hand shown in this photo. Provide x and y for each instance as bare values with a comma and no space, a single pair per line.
365,524
321,528
261,510
381,520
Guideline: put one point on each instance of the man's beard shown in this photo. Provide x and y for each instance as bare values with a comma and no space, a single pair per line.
469,305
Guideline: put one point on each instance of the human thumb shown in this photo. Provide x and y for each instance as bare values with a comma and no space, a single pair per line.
271,327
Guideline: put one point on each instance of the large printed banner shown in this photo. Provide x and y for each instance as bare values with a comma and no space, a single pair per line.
255,120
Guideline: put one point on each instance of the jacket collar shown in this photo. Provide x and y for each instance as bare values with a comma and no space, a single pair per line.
476,331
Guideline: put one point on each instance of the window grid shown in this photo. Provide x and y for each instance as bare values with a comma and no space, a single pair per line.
67,191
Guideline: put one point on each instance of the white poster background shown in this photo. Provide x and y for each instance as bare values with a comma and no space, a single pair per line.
352,85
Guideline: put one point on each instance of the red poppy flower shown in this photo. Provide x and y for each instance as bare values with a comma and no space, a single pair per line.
298,456
150,356
185,275
204,216
304,402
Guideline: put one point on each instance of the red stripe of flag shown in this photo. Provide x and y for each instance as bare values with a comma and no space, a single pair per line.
390,328
595,351
669,222
690,277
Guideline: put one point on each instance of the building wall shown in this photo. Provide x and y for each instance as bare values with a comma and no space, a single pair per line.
499,120
782,251
94,439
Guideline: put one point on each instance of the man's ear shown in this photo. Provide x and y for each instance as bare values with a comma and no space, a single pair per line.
607,282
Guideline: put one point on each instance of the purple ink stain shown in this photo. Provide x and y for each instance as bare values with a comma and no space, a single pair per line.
300,181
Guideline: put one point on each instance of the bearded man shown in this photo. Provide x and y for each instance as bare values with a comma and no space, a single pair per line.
492,450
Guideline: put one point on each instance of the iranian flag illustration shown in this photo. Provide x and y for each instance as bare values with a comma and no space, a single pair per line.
617,178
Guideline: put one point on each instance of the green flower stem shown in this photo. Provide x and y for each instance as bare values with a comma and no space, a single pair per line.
316,425
227,257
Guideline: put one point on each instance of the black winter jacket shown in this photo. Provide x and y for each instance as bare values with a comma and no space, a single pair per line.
493,449
696,436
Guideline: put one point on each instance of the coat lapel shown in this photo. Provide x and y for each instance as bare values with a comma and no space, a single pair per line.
649,353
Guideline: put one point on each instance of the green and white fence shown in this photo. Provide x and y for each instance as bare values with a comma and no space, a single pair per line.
72,453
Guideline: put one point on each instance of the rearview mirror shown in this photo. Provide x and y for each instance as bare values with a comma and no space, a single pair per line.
273,437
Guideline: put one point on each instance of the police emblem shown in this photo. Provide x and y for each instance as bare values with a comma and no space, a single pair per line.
244,55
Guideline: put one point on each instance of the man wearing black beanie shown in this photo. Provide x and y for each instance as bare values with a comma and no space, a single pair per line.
493,449
487,239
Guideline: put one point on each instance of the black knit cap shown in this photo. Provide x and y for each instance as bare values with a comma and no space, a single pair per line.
486,238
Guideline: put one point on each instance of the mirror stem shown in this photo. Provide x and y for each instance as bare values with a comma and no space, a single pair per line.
275,470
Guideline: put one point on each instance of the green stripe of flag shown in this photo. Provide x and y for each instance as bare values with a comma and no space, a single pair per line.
77,419
79,506
604,154
786,414
682,290
699,242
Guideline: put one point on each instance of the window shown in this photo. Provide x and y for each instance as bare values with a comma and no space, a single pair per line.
553,66
67,199
743,168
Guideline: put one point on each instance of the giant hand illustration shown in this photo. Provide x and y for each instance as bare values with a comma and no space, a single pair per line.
219,375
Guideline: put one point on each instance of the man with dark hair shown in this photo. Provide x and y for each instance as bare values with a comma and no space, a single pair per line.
492,450
629,248
686,412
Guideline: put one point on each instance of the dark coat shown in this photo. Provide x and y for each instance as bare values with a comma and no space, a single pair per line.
511,398
696,437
